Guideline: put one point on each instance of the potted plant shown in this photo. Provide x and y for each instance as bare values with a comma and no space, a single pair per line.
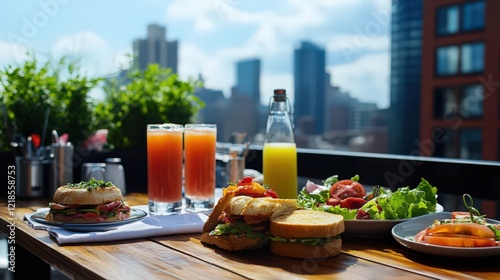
153,95
31,90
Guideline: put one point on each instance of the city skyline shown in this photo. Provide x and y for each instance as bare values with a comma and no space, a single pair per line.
212,37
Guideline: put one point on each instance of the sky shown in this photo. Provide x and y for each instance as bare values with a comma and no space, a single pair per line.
213,35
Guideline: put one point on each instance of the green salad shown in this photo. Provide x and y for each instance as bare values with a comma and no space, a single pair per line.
402,203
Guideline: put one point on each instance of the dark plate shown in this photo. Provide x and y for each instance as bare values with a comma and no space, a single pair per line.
135,215
405,231
374,228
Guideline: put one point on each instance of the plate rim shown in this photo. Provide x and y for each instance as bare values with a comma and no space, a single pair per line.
141,214
446,251
376,228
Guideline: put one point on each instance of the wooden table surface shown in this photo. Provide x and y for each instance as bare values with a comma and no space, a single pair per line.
184,257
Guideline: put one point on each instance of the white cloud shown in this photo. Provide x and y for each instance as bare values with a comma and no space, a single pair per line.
217,69
366,78
97,55
274,35
12,53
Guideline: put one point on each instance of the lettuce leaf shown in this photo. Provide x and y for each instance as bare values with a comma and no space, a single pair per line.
403,203
311,201
236,228
305,241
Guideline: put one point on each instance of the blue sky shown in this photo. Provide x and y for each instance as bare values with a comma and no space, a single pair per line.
212,35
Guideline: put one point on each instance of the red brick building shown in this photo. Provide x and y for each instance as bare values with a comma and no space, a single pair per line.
460,107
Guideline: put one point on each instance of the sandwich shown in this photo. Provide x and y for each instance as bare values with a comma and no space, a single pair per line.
240,220
306,234
94,201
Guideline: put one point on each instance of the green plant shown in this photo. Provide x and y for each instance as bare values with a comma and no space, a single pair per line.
29,89
153,95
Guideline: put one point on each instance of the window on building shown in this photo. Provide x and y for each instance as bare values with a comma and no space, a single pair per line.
445,103
467,17
445,143
471,102
448,20
466,102
472,58
447,60
472,16
458,143
470,143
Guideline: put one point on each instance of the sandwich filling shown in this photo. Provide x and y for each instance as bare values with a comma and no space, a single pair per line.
244,226
92,213
92,201
305,241
249,226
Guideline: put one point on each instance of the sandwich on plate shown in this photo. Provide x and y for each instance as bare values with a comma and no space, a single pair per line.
240,220
88,202
306,234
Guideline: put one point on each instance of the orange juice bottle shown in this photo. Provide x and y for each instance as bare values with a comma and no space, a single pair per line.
280,152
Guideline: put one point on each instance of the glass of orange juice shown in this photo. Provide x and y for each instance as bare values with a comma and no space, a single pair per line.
199,166
164,149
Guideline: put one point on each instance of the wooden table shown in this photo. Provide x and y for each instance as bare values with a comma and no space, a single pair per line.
184,257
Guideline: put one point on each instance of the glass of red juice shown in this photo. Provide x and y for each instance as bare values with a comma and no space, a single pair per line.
164,153
199,166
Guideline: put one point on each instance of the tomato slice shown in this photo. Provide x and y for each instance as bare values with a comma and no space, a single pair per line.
352,202
459,240
245,181
271,193
471,229
356,187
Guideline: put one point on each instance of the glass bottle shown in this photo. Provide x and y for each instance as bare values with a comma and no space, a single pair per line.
280,152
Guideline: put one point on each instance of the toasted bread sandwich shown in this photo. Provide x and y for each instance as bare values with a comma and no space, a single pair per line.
240,220
306,234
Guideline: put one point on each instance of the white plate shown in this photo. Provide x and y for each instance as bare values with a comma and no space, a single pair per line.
374,228
403,231
135,215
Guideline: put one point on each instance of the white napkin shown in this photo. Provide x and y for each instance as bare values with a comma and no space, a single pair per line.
147,227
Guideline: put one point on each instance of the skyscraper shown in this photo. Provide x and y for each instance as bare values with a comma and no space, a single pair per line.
406,55
248,79
156,49
309,85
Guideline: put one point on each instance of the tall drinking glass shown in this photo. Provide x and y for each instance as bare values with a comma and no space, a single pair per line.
199,166
164,142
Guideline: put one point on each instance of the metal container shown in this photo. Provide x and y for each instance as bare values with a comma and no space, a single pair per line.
30,177
62,166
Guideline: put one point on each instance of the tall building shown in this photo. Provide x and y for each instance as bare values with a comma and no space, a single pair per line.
248,79
406,44
460,112
309,85
156,49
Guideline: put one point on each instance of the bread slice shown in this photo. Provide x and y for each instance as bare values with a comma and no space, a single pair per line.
303,251
307,223
265,206
233,242
212,222
82,196
292,234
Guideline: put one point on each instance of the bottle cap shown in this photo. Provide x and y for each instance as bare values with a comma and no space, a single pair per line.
279,95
